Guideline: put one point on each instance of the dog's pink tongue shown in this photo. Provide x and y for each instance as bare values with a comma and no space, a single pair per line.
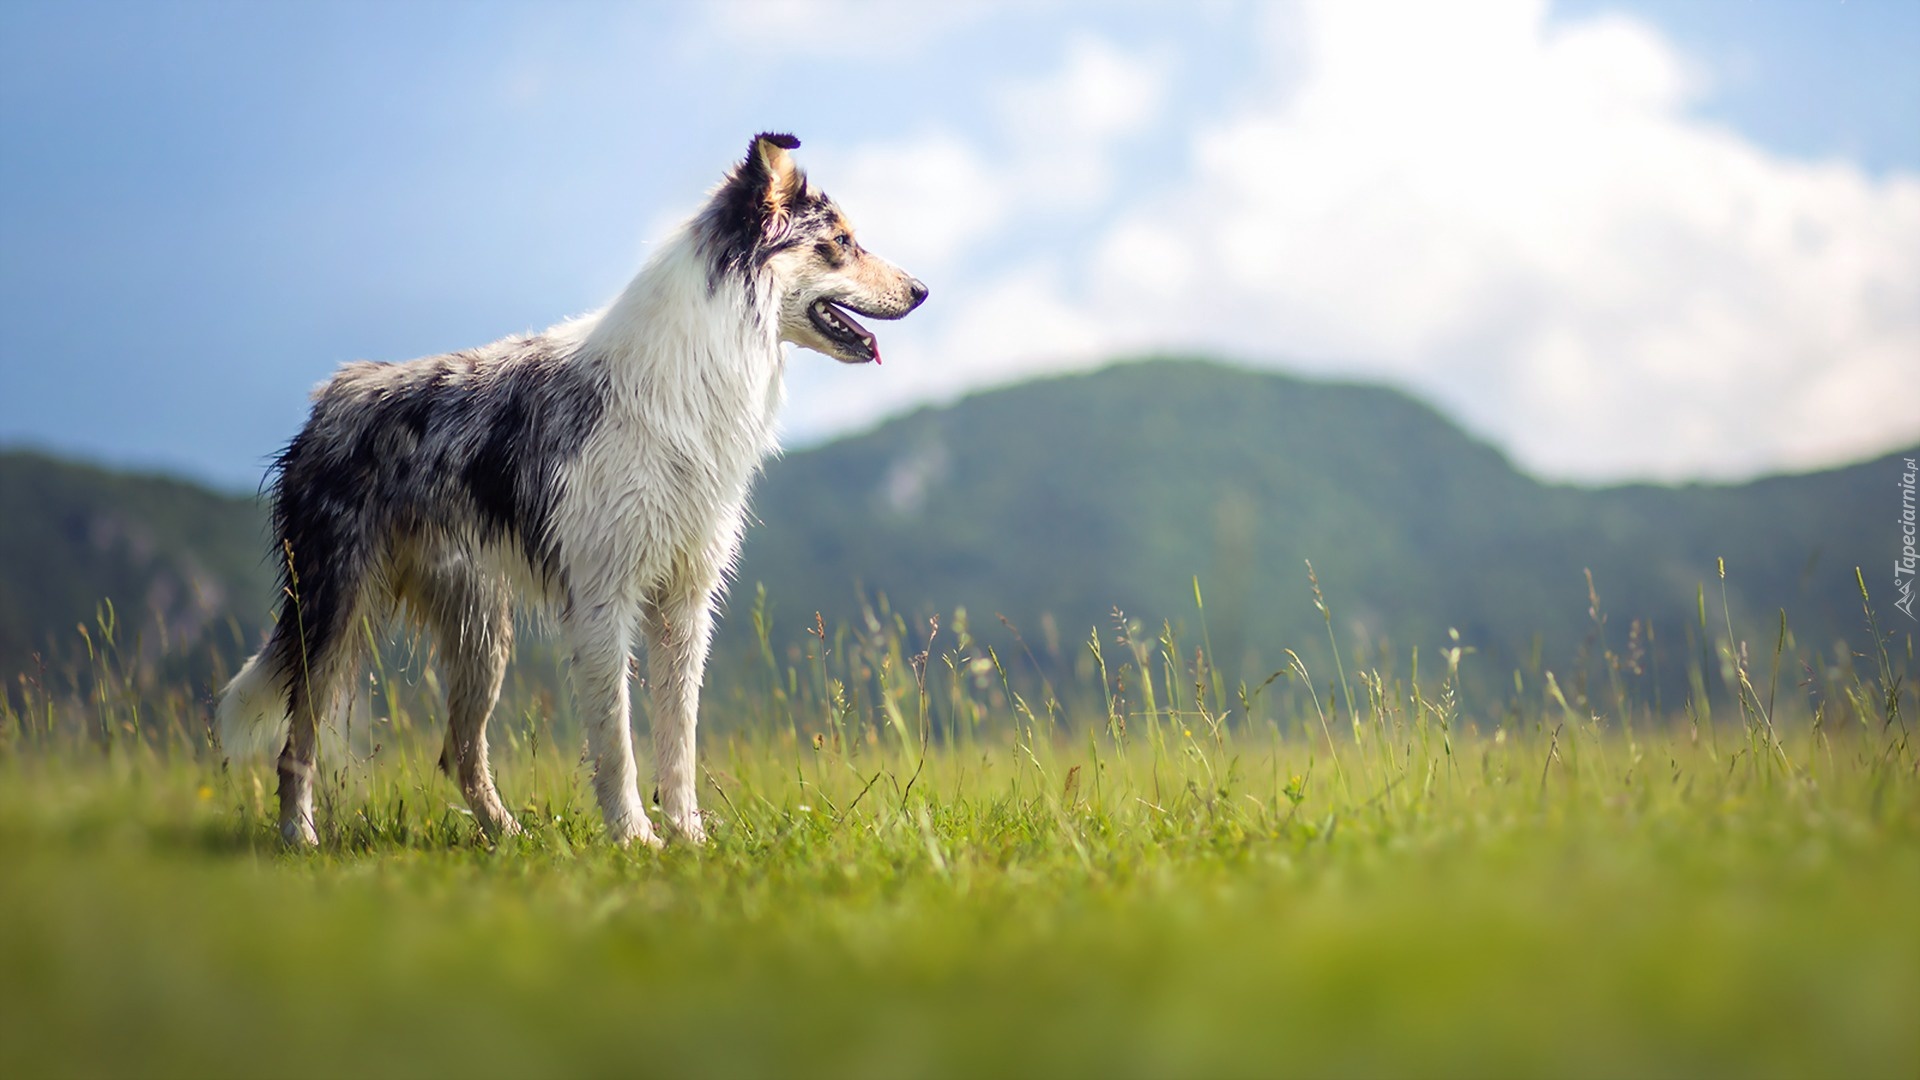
876,355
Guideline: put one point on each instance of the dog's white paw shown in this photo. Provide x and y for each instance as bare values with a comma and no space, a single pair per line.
645,838
687,828
634,829
502,828
298,834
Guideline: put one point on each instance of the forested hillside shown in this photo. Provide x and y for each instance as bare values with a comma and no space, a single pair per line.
1055,502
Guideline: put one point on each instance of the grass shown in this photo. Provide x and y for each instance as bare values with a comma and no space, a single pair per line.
923,863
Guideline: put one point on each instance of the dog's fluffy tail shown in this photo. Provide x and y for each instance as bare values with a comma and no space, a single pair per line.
252,719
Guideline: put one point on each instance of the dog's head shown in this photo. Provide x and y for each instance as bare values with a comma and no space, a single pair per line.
766,219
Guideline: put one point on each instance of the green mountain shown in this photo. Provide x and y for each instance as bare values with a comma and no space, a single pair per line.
178,562
1056,501
1075,495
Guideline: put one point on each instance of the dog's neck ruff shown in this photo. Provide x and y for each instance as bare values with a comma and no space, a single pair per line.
692,352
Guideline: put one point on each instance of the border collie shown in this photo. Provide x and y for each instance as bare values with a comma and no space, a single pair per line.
598,470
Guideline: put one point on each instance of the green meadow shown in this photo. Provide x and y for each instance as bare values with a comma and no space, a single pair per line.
929,859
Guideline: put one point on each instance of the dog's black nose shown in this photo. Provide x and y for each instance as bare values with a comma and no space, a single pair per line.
918,289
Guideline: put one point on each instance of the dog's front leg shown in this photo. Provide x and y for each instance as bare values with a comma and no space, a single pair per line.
678,617
599,640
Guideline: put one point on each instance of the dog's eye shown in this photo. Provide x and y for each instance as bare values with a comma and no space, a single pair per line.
843,240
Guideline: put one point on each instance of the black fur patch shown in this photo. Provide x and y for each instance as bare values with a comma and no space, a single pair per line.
469,445
733,227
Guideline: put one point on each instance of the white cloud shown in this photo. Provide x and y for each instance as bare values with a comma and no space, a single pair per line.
938,203
1100,92
928,199
922,201
1515,217
1062,128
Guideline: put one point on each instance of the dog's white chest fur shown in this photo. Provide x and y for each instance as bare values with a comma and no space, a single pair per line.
693,395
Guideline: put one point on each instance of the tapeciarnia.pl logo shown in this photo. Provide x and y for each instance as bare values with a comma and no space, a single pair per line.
1903,567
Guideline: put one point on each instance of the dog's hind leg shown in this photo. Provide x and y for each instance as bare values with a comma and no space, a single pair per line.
299,759
599,640
678,617
314,645
471,615
315,679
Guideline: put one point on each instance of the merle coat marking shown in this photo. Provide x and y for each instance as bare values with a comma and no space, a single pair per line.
599,470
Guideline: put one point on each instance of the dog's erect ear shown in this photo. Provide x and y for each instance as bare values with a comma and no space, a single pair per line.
776,181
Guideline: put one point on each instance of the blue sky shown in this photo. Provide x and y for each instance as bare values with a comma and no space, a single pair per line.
1620,240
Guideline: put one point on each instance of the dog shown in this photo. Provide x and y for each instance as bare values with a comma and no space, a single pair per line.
599,470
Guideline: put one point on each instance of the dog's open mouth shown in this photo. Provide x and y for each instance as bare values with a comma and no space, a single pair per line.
840,327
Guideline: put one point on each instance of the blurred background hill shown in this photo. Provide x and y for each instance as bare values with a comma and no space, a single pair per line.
1056,501
182,566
